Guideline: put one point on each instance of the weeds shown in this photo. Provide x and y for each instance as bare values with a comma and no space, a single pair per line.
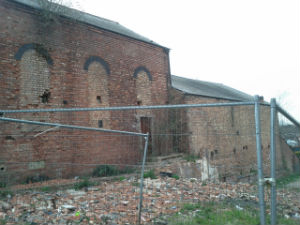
109,170
150,174
213,213
287,179
83,184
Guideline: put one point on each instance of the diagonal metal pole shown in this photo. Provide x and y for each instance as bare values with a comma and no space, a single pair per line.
259,162
273,162
142,178
58,125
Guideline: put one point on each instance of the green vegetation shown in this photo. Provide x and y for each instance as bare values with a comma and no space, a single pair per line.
281,182
175,176
4,193
150,174
35,179
190,158
219,213
83,184
109,170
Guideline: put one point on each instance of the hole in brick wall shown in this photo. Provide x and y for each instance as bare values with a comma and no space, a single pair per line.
212,155
45,96
245,147
139,102
100,123
2,168
10,138
99,99
65,102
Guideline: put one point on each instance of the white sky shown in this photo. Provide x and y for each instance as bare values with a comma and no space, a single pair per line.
250,45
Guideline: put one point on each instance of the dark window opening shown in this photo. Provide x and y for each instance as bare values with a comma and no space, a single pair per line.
45,96
139,102
216,151
237,132
245,147
99,99
269,146
2,168
100,123
65,102
10,138
224,179
234,151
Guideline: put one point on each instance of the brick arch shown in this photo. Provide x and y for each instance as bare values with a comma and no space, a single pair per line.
142,69
38,48
98,93
98,59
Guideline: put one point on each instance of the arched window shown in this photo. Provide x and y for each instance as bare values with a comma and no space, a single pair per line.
143,86
34,74
98,94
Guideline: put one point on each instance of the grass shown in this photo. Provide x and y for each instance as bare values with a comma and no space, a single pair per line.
281,182
219,213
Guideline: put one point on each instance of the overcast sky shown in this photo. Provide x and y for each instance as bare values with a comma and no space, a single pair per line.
250,45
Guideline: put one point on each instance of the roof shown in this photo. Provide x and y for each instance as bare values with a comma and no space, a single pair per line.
208,89
90,19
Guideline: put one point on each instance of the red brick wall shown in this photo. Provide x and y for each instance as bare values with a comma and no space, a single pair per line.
225,138
69,45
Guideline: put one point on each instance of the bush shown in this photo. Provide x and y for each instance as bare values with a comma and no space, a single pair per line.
105,171
150,174
82,184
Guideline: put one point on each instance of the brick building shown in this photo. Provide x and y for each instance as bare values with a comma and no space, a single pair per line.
74,59
66,58
224,137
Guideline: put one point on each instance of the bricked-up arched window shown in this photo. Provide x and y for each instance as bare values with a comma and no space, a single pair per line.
98,94
143,86
34,79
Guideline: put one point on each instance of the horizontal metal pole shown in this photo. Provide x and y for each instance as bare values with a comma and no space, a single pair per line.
288,116
70,126
127,107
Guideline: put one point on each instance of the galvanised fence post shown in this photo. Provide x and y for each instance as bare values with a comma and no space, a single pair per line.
259,162
273,162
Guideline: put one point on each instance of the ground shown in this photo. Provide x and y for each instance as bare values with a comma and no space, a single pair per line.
116,201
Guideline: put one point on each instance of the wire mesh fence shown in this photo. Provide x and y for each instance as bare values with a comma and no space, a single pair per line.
197,155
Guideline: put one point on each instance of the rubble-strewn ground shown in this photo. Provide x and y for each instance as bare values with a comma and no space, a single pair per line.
116,201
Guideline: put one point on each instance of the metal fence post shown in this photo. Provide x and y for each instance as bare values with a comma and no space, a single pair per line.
259,162
142,178
273,162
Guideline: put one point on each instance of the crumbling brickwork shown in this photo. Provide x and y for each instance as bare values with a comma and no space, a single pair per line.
224,137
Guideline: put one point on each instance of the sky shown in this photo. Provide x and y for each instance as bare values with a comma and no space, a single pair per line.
252,46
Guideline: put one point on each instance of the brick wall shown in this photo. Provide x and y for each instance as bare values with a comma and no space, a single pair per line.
54,62
224,137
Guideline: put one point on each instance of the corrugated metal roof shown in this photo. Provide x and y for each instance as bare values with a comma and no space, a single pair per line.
208,89
92,20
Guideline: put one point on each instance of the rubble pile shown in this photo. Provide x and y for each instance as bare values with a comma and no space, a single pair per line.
116,202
